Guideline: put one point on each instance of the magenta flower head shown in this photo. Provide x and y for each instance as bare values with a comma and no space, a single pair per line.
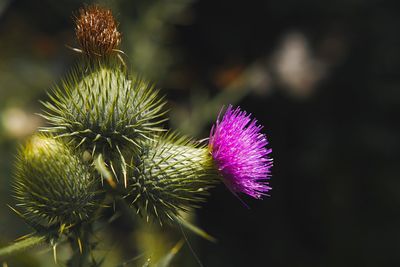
239,151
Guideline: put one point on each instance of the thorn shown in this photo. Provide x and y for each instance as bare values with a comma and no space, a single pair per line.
16,211
102,169
155,211
136,198
98,136
94,150
55,253
80,245
121,59
81,142
74,49
123,166
113,171
109,141
62,228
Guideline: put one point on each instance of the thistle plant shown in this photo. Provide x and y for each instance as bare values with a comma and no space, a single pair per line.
52,185
106,122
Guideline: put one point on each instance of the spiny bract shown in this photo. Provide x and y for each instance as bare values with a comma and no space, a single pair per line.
52,185
106,110
173,175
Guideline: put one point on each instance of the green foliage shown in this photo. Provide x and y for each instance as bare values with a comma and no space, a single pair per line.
52,184
172,174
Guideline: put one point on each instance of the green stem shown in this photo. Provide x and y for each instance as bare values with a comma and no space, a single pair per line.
21,245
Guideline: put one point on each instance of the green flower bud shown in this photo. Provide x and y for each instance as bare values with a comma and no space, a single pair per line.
52,185
171,175
106,110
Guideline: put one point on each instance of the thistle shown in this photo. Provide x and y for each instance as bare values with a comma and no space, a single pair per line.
96,31
103,122
52,185
105,111
99,106
172,175
239,151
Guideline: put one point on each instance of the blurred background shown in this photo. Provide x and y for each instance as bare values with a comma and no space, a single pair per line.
321,76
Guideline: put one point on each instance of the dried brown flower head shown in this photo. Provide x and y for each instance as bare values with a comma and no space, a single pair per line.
96,31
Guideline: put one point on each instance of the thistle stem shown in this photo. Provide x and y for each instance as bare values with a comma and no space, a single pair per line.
21,245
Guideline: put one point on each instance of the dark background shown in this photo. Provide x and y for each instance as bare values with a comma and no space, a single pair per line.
321,76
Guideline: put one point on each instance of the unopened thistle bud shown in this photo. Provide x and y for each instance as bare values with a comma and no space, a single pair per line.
173,174
105,111
96,31
239,151
52,185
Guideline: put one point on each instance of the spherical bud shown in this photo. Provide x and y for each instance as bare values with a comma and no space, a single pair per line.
105,111
96,31
52,185
172,175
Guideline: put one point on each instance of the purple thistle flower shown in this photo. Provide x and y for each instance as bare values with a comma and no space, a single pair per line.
240,154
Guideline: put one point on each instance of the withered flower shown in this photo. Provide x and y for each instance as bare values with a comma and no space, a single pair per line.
96,31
